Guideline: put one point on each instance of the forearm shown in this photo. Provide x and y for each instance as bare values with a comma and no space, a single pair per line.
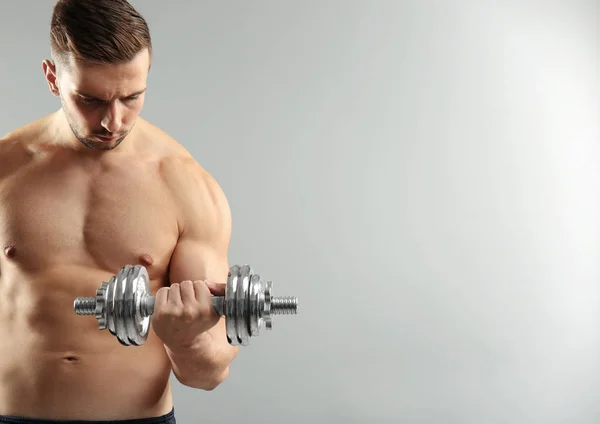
204,365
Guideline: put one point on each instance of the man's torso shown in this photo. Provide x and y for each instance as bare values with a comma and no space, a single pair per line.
68,222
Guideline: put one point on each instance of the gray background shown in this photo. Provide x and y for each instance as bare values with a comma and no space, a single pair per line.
423,175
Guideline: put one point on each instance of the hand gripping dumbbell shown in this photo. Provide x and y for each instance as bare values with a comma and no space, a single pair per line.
124,305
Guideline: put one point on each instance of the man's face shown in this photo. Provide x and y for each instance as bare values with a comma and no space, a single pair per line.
102,102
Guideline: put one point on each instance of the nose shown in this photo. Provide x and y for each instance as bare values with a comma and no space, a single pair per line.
112,118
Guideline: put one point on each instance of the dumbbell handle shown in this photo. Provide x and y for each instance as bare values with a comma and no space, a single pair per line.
279,305
147,305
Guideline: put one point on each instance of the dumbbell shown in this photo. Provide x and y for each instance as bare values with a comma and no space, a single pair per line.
124,305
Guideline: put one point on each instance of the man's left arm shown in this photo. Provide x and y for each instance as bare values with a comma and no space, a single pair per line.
193,333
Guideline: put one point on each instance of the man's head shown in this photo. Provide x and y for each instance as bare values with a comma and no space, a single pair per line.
101,51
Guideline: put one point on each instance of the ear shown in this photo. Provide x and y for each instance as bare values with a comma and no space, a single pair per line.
50,74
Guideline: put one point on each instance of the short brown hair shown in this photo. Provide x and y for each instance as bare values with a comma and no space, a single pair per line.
98,31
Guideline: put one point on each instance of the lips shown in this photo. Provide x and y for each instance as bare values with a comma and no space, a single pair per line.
103,138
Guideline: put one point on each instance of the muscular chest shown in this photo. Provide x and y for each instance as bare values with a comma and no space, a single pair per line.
106,217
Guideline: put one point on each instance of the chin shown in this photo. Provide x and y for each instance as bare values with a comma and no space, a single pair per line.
99,145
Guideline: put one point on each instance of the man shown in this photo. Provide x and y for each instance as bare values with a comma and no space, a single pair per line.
84,191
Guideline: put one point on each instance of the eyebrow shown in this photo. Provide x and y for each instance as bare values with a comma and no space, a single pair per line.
87,96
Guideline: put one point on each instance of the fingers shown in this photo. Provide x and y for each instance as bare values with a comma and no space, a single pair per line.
161,298
204,298
187,292
190,297
174,297
183,311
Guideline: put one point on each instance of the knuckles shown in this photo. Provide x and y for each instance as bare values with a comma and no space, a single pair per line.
186,308
186,285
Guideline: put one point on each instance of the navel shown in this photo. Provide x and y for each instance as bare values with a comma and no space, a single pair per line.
70,359
146,260
10,251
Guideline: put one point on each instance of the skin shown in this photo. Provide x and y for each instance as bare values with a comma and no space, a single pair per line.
73,211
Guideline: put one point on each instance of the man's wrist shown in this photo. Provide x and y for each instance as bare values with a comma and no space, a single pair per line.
201,342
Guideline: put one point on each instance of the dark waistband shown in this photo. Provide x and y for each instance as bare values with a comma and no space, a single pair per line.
168,418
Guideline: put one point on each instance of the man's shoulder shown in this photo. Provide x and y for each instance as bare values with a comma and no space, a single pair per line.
173,157
25,135
10,144
183,174
17,145
195,191
177,165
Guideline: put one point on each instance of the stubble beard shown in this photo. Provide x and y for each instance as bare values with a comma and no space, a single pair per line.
86,141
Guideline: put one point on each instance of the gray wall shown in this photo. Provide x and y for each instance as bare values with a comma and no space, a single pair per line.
423,175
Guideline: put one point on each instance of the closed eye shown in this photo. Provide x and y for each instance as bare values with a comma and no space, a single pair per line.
88,101
92,101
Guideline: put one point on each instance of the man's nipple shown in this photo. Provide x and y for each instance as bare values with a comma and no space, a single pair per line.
10,251
146,260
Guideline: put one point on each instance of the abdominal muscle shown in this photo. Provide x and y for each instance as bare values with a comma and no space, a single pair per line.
55,364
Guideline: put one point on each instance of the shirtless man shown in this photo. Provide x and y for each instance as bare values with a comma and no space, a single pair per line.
84,191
